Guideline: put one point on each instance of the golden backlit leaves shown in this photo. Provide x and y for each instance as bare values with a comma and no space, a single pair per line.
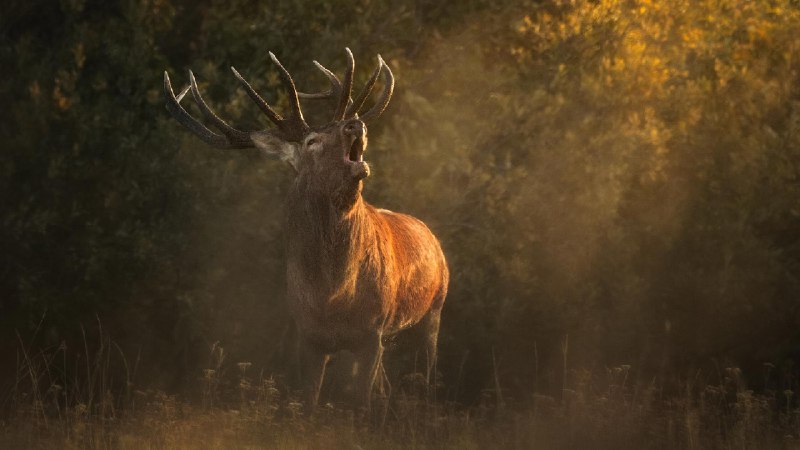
64,85
653,51
64,93
639,93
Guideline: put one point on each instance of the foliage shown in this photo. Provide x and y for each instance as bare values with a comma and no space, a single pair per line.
621,173
624,173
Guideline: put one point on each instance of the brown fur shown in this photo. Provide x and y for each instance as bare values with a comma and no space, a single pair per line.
356,273
369,270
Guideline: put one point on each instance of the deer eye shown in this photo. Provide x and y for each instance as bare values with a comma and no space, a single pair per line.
312,141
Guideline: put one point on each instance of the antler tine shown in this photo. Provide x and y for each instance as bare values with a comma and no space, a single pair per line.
183,92
383,101
347,87
292,91
353,109
262,104
238,139
334,91
184,118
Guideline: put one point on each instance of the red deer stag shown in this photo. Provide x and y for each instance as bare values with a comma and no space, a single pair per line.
355,273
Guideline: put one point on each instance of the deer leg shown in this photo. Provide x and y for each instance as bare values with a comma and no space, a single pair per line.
369,363
431,335
382,380
314,363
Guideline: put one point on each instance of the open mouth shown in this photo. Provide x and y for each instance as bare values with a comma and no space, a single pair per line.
356,153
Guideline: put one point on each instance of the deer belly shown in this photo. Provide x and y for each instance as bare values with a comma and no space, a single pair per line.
411,305
333,329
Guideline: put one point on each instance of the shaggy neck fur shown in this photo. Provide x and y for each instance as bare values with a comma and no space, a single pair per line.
328,236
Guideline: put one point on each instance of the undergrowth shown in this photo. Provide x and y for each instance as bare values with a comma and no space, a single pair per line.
91,400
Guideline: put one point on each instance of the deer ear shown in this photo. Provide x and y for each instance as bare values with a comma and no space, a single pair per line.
274,146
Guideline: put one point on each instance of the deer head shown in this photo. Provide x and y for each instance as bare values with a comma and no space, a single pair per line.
327,159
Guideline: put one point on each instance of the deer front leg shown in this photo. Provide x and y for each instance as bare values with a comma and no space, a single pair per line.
313,363
369,362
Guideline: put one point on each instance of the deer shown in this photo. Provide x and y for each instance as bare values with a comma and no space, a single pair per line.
355,274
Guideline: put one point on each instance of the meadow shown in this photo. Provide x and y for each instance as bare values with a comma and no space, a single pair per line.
232,407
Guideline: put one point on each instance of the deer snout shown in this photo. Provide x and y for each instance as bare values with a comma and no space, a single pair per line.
354,157
355,127
354,133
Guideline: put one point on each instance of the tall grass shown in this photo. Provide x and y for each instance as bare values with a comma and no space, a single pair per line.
89,398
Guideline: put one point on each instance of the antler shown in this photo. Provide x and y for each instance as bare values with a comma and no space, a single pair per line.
232,138
292,128
346,107
388,88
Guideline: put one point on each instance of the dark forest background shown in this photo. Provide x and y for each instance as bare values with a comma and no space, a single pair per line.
614,183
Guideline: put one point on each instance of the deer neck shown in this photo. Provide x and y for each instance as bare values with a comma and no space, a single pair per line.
325,243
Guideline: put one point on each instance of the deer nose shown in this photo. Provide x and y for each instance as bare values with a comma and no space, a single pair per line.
356,127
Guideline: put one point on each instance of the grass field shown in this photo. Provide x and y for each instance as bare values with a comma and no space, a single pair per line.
235,409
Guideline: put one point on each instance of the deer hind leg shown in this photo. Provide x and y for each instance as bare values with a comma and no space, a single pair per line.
369,365
314,363
430,335
382,381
